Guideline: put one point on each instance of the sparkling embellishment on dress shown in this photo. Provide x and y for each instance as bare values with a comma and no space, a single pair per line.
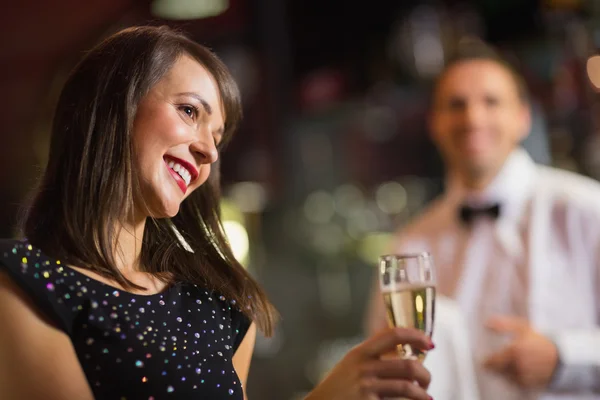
180,341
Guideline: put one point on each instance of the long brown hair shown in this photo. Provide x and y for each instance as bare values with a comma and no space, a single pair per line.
89,180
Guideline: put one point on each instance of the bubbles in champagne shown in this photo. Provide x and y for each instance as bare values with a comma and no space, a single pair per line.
411,306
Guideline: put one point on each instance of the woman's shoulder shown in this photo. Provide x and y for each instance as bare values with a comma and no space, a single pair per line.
31,341
21,259
43,279
12,246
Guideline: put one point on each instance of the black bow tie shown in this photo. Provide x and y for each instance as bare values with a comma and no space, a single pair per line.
468,214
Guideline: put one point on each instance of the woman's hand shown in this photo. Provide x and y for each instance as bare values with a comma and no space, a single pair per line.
364,375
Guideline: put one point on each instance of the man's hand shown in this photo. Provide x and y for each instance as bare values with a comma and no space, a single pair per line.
529,360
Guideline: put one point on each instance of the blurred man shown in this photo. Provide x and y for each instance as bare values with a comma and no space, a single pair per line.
516,244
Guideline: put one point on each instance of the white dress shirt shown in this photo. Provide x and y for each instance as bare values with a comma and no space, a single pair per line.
453,375
538,260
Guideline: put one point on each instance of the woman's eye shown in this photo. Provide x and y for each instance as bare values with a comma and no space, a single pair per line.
189,111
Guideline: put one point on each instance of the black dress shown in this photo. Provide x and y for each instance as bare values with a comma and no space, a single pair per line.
176,344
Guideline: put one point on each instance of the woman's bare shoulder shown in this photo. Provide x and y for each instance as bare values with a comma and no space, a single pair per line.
37,360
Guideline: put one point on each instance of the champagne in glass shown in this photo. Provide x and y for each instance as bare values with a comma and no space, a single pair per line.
408,286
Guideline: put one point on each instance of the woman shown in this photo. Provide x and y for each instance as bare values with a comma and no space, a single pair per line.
125,287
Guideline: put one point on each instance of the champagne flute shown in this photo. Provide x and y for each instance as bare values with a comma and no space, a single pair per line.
407,283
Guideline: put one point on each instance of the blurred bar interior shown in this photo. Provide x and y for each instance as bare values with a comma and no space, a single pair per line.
334,151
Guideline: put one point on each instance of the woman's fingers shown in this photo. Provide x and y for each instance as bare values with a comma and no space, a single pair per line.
409,370
384,388
388,339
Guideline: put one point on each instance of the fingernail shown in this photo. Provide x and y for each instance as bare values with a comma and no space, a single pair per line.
430,398
431,345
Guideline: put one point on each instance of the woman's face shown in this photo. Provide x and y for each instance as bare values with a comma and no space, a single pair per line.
176,130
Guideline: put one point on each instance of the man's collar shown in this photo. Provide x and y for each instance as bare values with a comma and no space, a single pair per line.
511,187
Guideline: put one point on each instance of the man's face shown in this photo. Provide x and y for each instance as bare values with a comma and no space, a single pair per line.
478,118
